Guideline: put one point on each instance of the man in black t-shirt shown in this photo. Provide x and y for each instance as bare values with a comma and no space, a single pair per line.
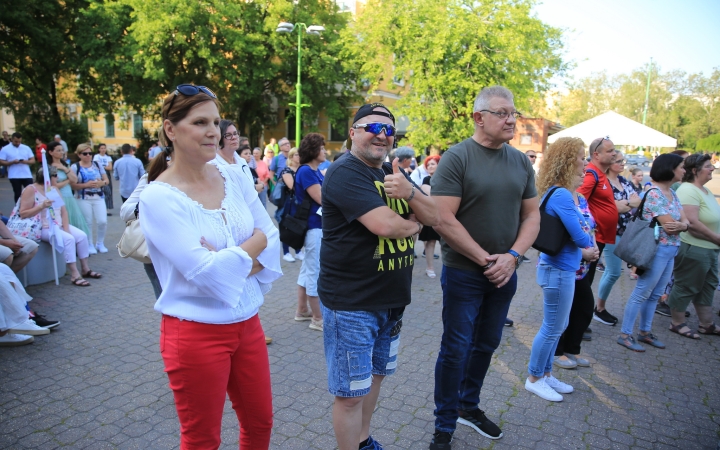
370,210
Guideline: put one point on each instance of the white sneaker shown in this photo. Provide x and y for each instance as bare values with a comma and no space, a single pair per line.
29,327
288,257
101,247
15,340
92,250
558,386
300,255
542,390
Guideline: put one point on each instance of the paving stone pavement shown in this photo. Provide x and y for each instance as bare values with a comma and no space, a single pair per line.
98,382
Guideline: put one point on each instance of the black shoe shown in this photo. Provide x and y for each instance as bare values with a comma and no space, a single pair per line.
109,214
436,256
508,322
588,331
663,309
441,441
687,313
41,321
605,317
587,337
600,267
477,420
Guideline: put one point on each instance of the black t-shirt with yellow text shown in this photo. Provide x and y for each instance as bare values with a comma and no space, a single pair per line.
360,271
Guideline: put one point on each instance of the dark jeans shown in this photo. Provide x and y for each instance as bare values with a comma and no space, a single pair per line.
18,184
150,271
581,314
473,316
108,191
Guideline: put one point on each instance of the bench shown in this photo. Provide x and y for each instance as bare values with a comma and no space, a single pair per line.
40,269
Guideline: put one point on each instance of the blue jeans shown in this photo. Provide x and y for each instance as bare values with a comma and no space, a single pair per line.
613,268
358,345
558,290
473,316
154,281
649,288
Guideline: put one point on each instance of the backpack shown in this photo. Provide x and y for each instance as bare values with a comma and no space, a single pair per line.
280,192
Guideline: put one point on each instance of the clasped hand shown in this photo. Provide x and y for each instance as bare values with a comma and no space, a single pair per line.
500,272
396,185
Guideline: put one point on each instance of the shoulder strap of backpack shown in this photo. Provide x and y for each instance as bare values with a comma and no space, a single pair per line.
597,181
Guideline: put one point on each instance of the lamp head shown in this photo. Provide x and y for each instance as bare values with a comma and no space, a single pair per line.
284,27
315,29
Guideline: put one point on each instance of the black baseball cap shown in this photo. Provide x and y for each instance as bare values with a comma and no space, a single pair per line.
369,110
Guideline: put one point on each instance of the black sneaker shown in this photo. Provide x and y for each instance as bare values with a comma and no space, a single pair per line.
508,322
604,317
687,313
587,336
477,420
600,267
441,441
663,309
41,321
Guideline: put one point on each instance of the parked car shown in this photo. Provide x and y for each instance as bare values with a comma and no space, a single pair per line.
637,160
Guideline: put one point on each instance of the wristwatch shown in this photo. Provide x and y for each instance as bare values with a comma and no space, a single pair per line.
517,256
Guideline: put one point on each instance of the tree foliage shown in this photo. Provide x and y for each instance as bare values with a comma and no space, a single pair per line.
447,50
139,50
37,58
685,106
709,144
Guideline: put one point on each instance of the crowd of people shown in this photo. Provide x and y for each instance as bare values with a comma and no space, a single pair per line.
215,252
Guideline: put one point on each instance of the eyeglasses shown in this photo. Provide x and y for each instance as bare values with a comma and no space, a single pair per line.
86,153
532,156
503,115
606,138
620,161
189,90
231,136
377,128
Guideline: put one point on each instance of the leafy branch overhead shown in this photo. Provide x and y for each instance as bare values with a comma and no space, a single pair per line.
447,50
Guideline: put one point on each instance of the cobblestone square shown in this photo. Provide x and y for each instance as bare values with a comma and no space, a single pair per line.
97,382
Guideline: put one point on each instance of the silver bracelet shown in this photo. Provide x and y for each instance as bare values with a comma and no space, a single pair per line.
412,194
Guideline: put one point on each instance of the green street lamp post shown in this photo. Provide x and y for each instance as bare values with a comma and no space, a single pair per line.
285,27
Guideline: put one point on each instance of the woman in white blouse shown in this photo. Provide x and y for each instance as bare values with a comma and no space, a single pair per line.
215,251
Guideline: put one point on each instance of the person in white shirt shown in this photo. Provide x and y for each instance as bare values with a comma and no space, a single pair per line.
106,162
18,158
216,253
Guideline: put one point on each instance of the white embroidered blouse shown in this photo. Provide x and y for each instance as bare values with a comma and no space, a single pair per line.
198,284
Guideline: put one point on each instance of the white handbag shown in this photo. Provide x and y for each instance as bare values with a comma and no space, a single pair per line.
132,243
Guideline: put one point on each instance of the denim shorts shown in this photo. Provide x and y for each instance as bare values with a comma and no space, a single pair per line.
358,345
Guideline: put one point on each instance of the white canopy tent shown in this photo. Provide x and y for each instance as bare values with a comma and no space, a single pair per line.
622,131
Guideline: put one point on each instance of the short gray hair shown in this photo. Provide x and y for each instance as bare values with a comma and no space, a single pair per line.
403,153
482,101
283,139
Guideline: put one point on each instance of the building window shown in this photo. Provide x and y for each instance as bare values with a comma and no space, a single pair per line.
340,133
526,139
137,124
109,125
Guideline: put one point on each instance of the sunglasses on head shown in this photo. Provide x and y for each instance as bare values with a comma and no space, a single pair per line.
189,90
86,153
606,138
377,128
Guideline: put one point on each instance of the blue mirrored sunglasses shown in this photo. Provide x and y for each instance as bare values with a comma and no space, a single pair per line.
189,90
377,128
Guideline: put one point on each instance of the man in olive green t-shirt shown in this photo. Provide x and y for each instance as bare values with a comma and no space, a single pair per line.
485,194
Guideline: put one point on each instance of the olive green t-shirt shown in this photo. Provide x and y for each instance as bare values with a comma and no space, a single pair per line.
492,184
708,213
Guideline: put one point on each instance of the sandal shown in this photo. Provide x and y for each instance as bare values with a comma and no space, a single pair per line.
688,334
712,329
91,274
80,282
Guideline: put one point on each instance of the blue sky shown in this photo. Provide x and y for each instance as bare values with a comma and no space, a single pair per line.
621,35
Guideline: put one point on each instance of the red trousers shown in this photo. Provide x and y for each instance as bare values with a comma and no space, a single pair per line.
205,361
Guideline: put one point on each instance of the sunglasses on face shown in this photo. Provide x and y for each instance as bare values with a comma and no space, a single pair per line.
532,156
86,153
377,128
189,90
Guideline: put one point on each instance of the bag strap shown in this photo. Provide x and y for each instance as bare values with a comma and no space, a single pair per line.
639,211
597,181
137,210
547,197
